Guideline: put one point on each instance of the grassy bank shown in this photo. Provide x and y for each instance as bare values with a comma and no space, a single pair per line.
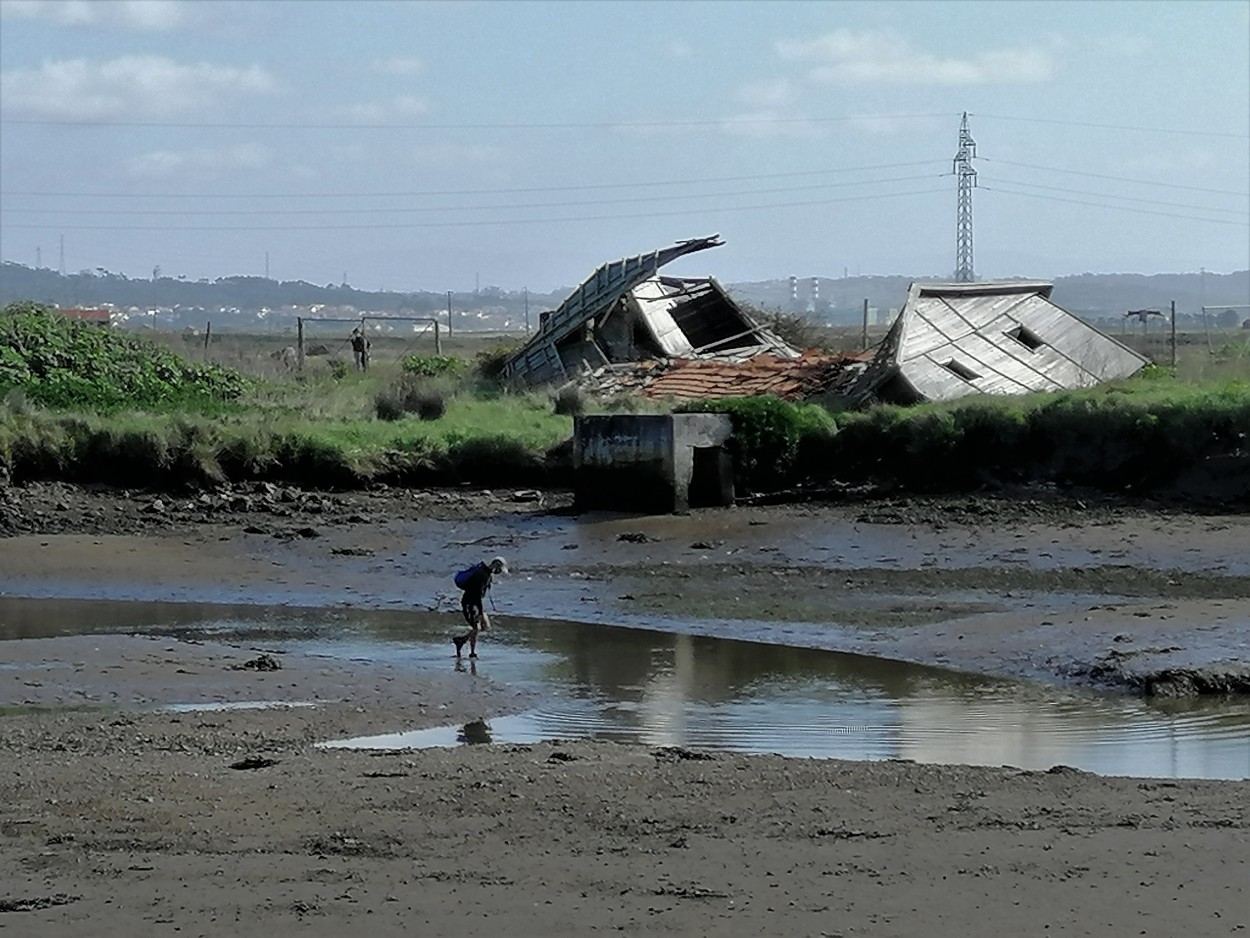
82,404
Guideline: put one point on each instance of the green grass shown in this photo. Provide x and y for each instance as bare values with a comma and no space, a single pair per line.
140,416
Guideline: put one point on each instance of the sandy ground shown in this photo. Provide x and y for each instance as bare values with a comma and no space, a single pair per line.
121,817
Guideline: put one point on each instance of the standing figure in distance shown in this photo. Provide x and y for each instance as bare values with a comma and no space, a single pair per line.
360,348
475,582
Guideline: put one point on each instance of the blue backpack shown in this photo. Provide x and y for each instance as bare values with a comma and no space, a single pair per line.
462,578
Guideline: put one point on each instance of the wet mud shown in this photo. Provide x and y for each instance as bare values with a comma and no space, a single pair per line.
1138,597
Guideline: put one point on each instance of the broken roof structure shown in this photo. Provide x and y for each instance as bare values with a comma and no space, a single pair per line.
951,340
626,312
792,379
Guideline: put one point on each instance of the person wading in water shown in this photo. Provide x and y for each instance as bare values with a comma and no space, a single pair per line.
475,582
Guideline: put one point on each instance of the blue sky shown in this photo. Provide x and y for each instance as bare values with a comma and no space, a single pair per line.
441,146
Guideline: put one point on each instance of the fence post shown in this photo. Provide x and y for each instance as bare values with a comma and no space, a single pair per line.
208,333
299,343
438,341
1174,336
865,324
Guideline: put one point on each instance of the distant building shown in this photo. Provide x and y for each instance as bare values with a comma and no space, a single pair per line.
101,317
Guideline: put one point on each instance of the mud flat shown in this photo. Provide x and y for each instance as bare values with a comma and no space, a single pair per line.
134,819
143,794
1140,598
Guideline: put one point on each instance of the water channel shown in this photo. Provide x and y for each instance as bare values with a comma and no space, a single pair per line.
660,688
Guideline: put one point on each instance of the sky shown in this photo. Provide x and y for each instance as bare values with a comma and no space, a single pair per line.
455,145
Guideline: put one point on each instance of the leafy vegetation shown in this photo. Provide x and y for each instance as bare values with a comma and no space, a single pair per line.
84,403
66,363
433,366
774,441
1131,436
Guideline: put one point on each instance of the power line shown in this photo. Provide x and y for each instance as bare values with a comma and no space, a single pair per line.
464,208
1143,182
1123,198
1122,208
559,125
467,223
650,183
1151,130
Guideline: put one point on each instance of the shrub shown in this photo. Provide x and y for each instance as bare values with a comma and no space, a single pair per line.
569,401
410,397
489,362
64,363
769,436
433,366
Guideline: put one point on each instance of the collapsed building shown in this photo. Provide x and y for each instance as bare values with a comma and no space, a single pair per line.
628,329
952,340
626,312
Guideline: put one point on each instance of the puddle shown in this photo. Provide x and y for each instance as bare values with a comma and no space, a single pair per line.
658,688
238,705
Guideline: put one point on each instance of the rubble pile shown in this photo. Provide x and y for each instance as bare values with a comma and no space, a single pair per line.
793,379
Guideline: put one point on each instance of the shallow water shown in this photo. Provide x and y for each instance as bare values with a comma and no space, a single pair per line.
664,689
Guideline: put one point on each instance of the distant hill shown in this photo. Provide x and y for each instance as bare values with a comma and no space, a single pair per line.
835,300
1092,296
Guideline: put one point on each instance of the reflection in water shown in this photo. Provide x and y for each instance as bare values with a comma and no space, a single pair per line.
661,688
474,732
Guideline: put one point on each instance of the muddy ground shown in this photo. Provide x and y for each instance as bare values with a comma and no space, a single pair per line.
1078,589
120,817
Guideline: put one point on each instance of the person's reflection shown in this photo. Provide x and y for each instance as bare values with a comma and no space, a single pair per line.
472,668
474,732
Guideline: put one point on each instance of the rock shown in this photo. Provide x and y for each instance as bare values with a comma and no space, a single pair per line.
254,762
259,663
634,537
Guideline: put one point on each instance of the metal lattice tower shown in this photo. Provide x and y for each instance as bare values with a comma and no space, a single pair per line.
967,182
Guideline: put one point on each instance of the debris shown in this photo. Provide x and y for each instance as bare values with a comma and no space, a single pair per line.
259,663
635,537
254,762
681,754
352,551
35,903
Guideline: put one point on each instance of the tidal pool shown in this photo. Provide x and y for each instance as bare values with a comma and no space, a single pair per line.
664,689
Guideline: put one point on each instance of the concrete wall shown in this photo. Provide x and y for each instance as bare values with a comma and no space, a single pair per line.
691,431
643,462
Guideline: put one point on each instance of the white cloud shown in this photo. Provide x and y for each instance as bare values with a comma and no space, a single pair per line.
401,67
207,163
145,15
886,57
766,94
374,112
128,87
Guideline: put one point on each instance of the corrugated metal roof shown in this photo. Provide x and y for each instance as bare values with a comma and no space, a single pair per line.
956,339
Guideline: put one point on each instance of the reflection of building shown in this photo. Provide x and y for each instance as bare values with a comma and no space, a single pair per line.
1119,737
